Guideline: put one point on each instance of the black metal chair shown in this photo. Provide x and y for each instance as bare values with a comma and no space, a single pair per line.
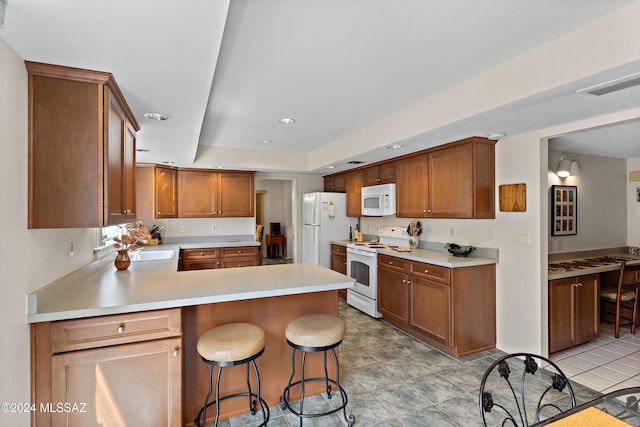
539,389
621,301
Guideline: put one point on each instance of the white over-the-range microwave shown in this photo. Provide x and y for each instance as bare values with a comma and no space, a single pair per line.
379,200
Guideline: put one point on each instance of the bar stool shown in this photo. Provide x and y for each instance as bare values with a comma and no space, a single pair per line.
230,345
315,333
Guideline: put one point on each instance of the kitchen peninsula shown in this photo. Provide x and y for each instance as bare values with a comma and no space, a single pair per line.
124,343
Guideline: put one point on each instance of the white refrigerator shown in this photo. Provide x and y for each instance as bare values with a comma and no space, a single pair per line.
324,218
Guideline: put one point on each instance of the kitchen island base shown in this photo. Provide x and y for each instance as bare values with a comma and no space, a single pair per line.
271,314
118,364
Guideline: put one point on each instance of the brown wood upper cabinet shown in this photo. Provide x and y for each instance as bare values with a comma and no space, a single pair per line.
156,191
384,173
355,182
335,183
82,138
207,194
455,181
168,192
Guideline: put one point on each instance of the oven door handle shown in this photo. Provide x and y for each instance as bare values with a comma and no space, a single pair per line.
361,253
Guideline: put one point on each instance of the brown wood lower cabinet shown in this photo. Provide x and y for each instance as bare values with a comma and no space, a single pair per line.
339,264
210,258
108,370
452,309
573,311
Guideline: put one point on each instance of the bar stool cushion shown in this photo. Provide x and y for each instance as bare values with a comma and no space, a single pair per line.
231,342
315,330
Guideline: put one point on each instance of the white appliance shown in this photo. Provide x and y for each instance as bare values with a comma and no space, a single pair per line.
362,265
324,218
379,200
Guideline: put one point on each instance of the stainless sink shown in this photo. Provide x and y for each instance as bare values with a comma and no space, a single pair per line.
160,255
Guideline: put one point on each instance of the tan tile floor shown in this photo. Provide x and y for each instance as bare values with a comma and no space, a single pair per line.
393,379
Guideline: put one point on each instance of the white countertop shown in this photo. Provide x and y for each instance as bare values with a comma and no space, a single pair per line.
441,258
100,289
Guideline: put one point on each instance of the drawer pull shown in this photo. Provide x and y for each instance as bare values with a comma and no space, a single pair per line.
240,251
176,352
120,329
201,253
390,262
426,271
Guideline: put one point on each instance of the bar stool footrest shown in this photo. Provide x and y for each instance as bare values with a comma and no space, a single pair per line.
284,401
263,405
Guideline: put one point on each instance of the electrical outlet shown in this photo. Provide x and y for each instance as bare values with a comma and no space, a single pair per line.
213,228
559,245
70,245
182,229
524,237
451,232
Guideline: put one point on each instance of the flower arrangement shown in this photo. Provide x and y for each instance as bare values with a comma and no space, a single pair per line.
131,236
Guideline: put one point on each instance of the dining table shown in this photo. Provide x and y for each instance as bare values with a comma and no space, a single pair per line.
613,409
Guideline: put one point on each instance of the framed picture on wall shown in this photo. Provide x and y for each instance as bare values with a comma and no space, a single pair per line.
564,210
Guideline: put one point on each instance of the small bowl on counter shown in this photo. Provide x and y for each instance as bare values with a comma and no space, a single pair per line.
457,250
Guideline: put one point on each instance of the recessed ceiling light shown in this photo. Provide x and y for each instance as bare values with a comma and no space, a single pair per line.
330,167
157,116
287,121
168,162
496,136
394,146
142,150
266,141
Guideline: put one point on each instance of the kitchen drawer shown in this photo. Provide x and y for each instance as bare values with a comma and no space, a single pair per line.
430,271
338,250
92,332
200,264
392,262
196,254
238,262
241,251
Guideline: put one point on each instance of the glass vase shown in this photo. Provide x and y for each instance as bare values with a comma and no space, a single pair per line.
122,260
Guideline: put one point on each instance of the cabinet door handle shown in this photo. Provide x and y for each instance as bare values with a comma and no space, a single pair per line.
404,281
578,285
408,282
176,352
120,329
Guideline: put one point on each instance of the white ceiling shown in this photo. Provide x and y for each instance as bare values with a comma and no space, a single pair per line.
228,71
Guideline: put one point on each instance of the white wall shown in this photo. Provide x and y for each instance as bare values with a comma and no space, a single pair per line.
633,221
602,202
30,258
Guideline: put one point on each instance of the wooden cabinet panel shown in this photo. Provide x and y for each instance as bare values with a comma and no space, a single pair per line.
384,173
451,182
78,149
88,362
129,166
411,187
92,332
392,262
228,257
573,311
451,309
430,308
336,183
197,194
430,271
235,195
355,182
456,180
166,192
156,191
111,381
339,264
393,296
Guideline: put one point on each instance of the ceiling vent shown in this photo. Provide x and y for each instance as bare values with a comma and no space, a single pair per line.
355,162
613,85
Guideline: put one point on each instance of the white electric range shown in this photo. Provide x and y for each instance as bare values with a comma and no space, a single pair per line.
362,265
